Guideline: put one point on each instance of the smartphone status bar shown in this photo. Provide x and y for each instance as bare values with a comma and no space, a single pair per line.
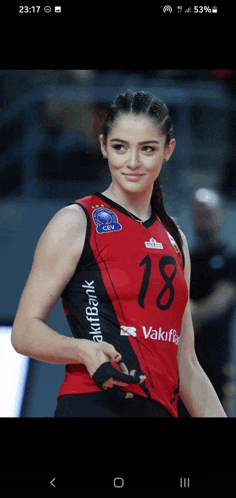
195,9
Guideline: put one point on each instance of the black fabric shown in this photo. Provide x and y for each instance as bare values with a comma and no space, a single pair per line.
109,403
106,370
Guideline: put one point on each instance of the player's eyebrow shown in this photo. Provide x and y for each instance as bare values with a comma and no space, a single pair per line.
140,143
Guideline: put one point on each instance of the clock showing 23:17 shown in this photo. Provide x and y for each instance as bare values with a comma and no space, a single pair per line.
29,10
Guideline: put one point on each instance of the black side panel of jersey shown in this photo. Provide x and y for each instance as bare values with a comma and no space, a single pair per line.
107,327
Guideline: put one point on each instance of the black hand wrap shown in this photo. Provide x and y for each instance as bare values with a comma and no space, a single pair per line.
106,371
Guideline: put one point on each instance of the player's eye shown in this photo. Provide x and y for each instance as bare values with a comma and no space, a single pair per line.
119,147
148,148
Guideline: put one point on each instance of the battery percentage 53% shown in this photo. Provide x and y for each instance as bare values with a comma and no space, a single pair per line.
200,9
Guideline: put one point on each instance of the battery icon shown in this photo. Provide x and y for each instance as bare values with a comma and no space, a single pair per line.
214,9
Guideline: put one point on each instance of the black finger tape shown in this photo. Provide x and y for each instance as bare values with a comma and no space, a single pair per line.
106,371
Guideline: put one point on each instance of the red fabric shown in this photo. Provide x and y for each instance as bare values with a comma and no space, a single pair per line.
134,278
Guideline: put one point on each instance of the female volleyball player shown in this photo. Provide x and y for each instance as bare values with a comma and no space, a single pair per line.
122,268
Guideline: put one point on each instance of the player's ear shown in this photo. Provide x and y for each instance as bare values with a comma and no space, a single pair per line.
170,149
103,146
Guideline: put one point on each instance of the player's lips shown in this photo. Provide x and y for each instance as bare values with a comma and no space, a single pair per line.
133,178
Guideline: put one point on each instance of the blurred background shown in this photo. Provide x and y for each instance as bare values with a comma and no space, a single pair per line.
50,155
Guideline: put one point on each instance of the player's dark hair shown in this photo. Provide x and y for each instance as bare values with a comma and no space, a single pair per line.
143,103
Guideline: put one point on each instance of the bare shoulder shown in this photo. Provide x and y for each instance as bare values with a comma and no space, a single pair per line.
64,235
68,217
69,221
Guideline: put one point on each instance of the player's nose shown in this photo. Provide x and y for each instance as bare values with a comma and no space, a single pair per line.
134,161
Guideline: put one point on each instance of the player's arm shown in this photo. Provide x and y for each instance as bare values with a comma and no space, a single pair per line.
55,259
196,390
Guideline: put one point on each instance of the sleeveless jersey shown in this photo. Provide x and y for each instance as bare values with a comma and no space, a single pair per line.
129,290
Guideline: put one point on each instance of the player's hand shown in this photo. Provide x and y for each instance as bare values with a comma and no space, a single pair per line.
97,357
132,372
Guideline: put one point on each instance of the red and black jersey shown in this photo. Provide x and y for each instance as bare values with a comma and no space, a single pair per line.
129,290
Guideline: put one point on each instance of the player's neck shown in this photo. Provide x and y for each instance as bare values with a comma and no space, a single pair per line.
136,203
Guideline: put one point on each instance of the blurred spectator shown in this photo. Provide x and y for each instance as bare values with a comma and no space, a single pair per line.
228,183
212,291
44,110
70,142
228,180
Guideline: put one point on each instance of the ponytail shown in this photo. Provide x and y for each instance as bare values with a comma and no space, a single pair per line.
158,206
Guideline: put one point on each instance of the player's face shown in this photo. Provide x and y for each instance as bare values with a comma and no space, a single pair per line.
135,150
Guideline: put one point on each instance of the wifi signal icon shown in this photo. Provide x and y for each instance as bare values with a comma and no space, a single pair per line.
167,8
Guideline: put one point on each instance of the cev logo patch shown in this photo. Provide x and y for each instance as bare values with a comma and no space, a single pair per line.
106,220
